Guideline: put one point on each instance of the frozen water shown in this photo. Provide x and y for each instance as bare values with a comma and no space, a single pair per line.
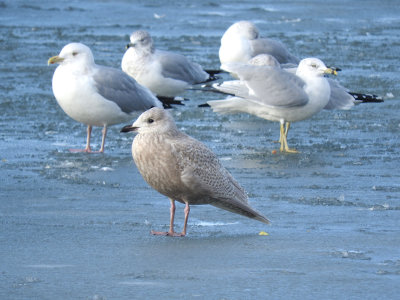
76,226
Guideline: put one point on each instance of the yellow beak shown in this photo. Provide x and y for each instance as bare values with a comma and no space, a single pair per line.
54,59
330,71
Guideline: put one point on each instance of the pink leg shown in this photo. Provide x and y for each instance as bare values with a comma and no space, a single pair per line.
87,149
187,211
103,139
171,231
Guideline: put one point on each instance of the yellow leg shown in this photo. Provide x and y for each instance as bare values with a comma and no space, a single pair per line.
287,128
281,135
283,138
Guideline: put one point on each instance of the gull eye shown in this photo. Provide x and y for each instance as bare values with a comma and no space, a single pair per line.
74,53
313,65
150,120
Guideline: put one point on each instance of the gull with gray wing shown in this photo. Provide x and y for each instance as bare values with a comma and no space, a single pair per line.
165,73
277,95
96,95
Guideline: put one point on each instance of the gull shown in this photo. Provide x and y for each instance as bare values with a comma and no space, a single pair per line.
165,73
340,97
242,41
96,95
277,95
183,169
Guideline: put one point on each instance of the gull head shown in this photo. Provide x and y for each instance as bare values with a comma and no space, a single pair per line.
141,41
154,120
313,67
243,29
73,53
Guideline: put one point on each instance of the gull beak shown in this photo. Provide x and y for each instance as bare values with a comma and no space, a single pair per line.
334,68
55,59
129,128
332,71
129,45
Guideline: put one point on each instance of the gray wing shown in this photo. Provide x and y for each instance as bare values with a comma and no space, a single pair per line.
274,48
114,85
202,172
271,86
178,67
340,98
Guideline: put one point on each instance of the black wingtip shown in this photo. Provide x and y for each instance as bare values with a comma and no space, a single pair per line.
168,102
366,98
213,72
204,105
212,78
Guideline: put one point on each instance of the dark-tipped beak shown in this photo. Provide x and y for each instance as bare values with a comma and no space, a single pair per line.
330,71
335,69
128,128
129,45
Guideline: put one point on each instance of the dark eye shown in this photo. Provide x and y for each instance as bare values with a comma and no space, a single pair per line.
74,53
150,121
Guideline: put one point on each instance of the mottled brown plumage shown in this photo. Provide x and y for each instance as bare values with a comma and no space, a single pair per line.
184,169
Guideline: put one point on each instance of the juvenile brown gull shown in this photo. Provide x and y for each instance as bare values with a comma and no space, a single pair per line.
183,169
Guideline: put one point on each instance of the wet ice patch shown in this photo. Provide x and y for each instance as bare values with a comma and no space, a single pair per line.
105,169
142,283
225,158
389,267
49,266
210,224
351,254
389,95
27,281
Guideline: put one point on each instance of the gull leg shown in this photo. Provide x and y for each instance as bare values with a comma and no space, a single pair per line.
103,138
87,149
278,141
286,147
287,128
283,133
187,211
281,136
171,231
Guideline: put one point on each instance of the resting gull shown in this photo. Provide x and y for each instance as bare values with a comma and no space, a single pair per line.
277,95
96,95
165,73
242,41
183,169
